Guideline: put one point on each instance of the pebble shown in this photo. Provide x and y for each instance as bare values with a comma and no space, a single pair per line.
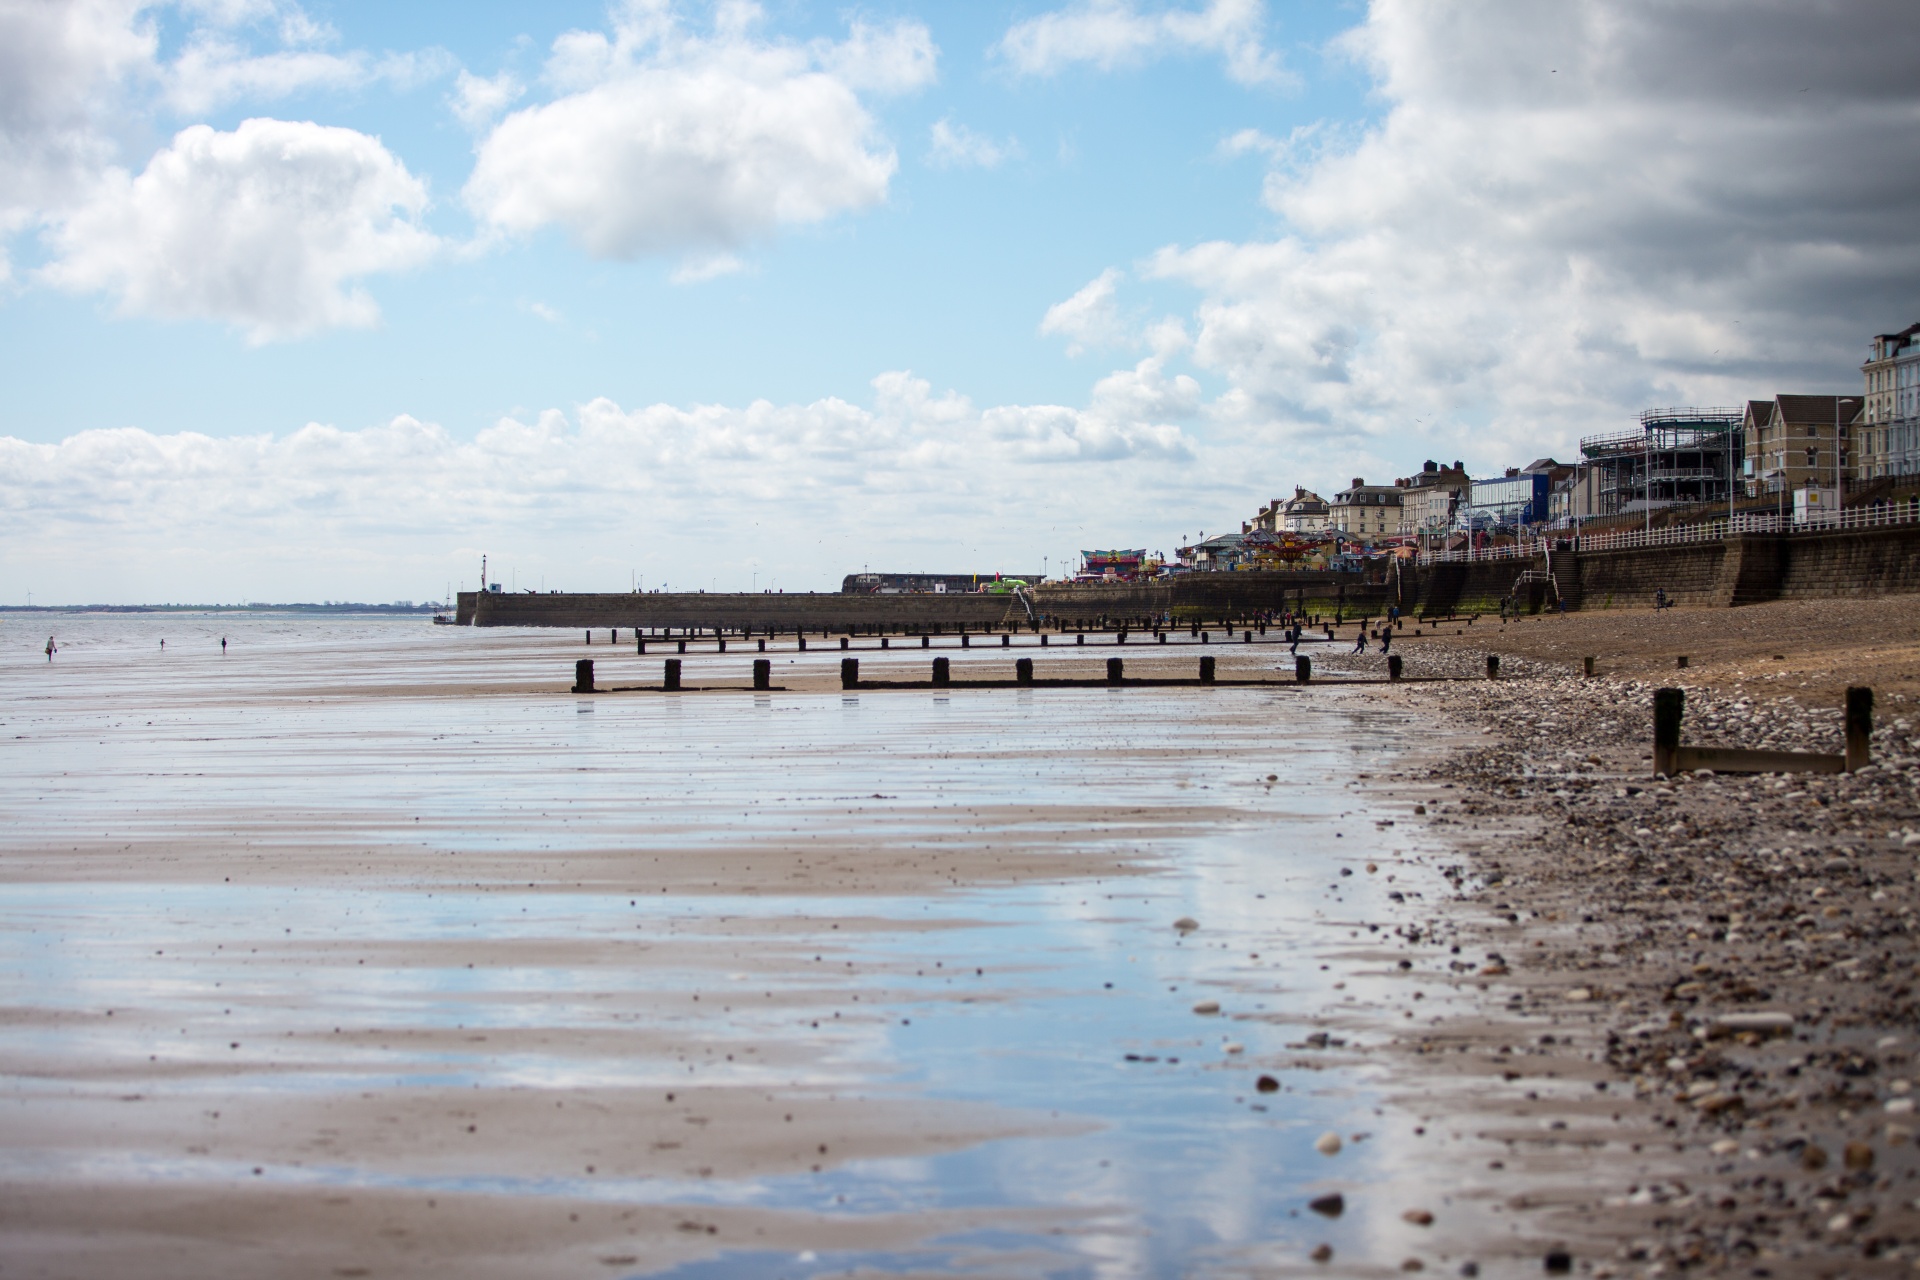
1206,1006
1418,1217
1322,1253
1267,1084
1186,924
1331,1205
1327,1144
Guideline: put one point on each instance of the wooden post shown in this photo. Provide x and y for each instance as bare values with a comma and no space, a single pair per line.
1669,708
942,671
762,673
1206,670
1493,666
671,680
1006,641
583,676
613,636
803,640
762,643
849,673
1114,670
1859,727
1043,639
640,643
1206,637
682,643
1080,637
1246,636
1121,638
1588,664
1023,671
720,640
845,641
1394,667
884,642
1303,669
966,641
589,635
1681,662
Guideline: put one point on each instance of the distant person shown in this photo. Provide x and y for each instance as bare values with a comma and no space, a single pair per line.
223,646
1659,597
163,646
52,648
1386,640
1360,640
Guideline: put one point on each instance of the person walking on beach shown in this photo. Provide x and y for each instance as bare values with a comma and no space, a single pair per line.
52,648
223,646
1360,639
1386,640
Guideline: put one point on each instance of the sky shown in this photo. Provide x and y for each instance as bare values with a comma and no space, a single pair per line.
305,301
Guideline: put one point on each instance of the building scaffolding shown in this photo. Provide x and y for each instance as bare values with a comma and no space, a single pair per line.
1678,456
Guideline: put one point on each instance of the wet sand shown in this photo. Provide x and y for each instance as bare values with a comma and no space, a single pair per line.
373,952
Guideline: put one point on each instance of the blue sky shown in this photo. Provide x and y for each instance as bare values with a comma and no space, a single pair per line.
743,293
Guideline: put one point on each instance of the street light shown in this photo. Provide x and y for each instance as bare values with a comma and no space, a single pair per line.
1839,499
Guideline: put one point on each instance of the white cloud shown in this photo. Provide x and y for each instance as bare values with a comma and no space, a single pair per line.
266,227
1567,213
956,146
907,471
1090,318
477,101
665,141
1109,34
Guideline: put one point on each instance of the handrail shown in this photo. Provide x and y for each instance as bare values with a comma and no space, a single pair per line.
1870,516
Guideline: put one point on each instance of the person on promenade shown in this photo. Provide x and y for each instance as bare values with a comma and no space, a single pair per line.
52,648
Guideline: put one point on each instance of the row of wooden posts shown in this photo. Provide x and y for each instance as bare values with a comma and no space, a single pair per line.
584,679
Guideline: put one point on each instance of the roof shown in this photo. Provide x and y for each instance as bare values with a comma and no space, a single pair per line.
1815,408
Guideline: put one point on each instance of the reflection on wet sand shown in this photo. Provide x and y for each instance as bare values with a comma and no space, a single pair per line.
364,951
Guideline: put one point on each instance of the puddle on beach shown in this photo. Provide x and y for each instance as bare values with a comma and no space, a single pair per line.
1068,1000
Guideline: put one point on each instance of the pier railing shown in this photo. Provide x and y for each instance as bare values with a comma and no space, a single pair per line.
1864,517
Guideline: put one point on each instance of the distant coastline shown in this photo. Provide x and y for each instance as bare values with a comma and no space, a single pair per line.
408,608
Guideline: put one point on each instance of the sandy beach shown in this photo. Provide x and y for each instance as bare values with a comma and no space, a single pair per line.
369,950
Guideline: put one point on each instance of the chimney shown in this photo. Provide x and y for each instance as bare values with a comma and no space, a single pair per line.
1431,465
1457,465
1513,471
1358,481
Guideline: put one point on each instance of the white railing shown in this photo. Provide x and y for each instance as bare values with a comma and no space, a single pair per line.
1870,516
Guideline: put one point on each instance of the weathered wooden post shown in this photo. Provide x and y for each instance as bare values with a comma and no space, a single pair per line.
845,641
1587,663
926,642
1246,636
762,673
1043,639
720,640
1160,637
1006,640
762,643
589,635
966,641
1121,636
1114,670
884,642
671,680
1393,667
1859,727
1669,709
682,643
583,676
1680,663
1080,637
1302,669
613,636
942,671
849,673
802,637
1493,666
1206,670
1206,637
1023,671
640,643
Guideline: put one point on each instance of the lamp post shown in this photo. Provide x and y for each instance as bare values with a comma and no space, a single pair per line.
1839,498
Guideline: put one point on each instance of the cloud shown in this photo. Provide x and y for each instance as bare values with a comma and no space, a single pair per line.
956,146
478,101
266,227
663,141
912,470
1090,318
1565,214
1111,34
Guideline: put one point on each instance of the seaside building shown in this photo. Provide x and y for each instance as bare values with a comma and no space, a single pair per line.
1366,512
1791,441
1512,501
1430,498
1304,512
1889,422
1678,456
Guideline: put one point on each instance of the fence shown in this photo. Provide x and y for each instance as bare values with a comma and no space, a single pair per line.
1906,511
